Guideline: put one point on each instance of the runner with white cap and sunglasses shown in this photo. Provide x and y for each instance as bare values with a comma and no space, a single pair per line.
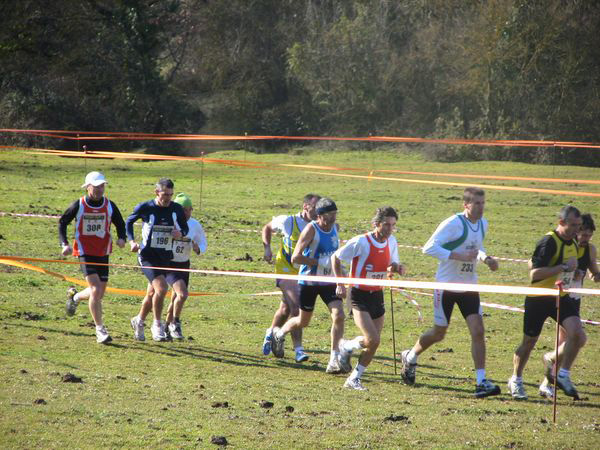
93,214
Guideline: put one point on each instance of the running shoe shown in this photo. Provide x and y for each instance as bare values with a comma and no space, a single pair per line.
546,389
266,348
354,383
278,344
486,388
138,329
102,336
565,384
158,332
548,368
409,371
71,303
175,330
345,356
516,389
301,356
333,366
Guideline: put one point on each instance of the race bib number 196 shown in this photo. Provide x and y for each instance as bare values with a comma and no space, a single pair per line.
161,237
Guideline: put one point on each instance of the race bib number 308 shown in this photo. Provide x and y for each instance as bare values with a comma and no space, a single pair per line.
94,225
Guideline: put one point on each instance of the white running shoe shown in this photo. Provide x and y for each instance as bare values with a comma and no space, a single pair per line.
175,330
71,303
409,370
354,383
102,336
333,366
138,329
546,390
517,390
158,332
345,356
278,344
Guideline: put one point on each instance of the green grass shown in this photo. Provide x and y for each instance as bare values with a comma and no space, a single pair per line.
148,394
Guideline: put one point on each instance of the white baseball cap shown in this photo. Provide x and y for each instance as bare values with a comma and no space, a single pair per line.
94,178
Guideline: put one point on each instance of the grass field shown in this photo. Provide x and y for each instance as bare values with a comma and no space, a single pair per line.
216,382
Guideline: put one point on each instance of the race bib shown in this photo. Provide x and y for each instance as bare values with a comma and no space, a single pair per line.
467,267
181,249
94,224
376,275
324,266
161,237
567,279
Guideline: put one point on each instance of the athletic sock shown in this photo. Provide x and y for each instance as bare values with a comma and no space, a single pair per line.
480,373
412,357
156,323
269,332
99,327
516,379
358,371
563,372
334,355
299,349
76,297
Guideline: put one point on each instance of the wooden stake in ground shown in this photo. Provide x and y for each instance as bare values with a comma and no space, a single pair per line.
559,285
393,329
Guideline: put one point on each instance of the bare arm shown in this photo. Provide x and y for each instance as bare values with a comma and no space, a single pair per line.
594,271
267,232
306,237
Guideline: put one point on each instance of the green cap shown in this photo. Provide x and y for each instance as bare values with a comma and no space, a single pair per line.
184,200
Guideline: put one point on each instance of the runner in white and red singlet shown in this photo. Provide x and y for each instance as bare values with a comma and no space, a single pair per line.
93,215
373,255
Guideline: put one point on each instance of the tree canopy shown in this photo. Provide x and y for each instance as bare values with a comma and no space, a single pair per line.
500,69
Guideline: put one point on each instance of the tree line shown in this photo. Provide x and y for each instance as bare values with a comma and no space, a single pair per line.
499,69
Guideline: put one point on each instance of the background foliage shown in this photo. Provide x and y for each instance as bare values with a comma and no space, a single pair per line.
498,69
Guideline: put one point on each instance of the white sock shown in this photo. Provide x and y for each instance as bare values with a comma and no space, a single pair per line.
516,379
480,373
76,297
279,334
358,371
334,355
156,323
563,372
412,357
99,327
354,344
140,320
299,349
269,332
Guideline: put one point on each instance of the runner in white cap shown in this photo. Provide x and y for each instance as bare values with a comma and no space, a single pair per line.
93,214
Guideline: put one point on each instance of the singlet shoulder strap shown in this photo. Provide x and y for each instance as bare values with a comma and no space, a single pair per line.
454,244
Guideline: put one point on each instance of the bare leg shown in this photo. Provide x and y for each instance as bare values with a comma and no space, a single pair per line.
336,308
97,289
475,324
522,354
371,332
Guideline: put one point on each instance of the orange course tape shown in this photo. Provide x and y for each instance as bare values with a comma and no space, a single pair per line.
93,135
77,281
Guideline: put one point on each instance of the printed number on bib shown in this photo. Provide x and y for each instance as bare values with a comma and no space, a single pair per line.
94,225
376,275
161,237
324,266
567,279
181,249
467,267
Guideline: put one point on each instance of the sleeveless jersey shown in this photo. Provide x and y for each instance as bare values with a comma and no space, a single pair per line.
564,252
92,229
374,265
283,260
323,245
